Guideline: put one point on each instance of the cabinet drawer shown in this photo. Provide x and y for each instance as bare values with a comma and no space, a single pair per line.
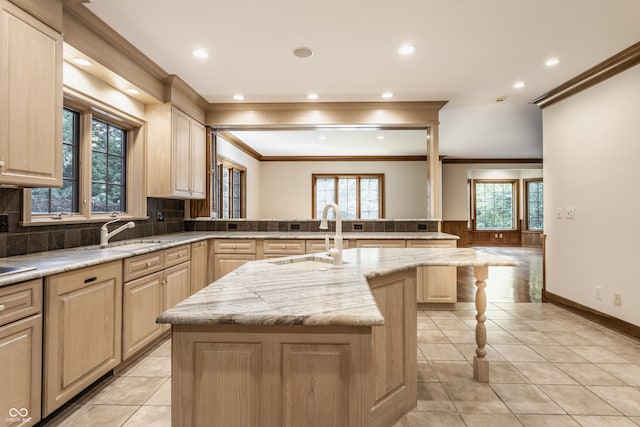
432,243
235,246
315,246
283,247
177,255
20,300
381,243
142,265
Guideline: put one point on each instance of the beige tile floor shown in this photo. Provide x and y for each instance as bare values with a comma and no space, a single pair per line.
549,367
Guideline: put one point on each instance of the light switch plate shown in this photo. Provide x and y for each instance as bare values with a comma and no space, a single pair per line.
571,213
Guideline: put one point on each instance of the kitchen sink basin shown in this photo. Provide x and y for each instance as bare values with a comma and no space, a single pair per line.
5,270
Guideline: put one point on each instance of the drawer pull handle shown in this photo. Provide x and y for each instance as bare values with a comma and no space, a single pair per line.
90,279
2,307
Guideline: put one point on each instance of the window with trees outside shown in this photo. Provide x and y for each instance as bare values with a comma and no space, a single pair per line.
98,149
231,190
534,196
495,204
358,196
64,199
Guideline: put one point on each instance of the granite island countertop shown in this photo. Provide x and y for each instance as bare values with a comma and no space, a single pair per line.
43,264
276,292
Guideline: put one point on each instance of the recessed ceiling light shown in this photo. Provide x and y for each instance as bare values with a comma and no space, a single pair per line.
552,62
303,52
132,91
406,49
387,95
82,61
322,137
312,96
238,97
518,85
200,53
380,137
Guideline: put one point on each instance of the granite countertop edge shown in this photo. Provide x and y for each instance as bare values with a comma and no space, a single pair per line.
59,261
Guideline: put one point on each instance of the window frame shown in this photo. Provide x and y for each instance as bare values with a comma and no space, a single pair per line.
221,163
515,202
135,167
525,184
357,176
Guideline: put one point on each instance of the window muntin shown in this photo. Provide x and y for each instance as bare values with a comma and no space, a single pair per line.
495,204
108,167
534,204
231,190
64,199
359,196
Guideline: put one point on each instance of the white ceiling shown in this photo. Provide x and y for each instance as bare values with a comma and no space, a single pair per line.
469,52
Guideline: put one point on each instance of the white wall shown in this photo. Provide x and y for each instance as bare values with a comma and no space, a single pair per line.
591,155
455,197
253,196
286,186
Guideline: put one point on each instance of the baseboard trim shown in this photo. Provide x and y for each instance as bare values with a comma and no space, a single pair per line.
598,317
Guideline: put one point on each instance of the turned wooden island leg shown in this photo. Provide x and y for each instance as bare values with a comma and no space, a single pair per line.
480,362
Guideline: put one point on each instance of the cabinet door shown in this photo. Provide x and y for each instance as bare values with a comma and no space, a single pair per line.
83,321
142,302
20,370
181,154
437,284
177,281
198,266
226,263
30,100
198,160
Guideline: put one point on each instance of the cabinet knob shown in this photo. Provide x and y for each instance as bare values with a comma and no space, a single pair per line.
149,264
1,164
2,307
284,246
234,246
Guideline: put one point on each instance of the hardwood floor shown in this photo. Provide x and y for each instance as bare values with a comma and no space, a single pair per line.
506,284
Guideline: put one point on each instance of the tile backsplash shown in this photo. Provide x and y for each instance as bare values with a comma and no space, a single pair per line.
25,240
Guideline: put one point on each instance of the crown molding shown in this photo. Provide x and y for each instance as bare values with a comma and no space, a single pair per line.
491,161
608,68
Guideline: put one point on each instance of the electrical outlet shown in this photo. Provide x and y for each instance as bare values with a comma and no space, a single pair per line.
422,227
599,292
559,213
295,226
617,299
160,216
4,223
357,226
571,213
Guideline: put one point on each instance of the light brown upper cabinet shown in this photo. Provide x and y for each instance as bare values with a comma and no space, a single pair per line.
176,153
30,100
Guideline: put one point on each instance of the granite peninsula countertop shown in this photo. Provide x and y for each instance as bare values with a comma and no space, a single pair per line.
52,262
277,292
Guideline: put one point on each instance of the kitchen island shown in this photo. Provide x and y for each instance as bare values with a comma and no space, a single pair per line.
294,341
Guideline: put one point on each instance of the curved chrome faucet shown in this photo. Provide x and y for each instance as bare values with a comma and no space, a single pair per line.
105,235
336,251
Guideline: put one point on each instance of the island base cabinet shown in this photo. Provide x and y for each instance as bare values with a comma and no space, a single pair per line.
394,366
437,284
82,330
271,376
20,369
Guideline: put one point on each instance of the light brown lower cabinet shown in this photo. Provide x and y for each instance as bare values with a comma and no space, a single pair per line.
198,266
146,297
82,330
436,284
394,364
20,353
230,254
236,375
300,375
